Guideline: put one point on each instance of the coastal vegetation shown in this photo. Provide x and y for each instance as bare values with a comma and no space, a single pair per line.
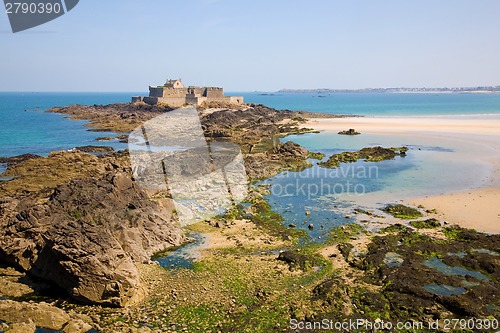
402,212
426,224
316,155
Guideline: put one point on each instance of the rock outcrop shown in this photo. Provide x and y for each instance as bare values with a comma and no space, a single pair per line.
287,156
41,315
18,159
120,117
369,154
88,235
248,126
350,131
95,149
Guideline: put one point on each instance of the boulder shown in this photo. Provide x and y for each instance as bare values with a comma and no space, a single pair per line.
28,327
87,237
39,314
76,326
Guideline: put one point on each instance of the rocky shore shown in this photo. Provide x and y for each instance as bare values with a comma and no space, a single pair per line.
255,128
77,235
80,222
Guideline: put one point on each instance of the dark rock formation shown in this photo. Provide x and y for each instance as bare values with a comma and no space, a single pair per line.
17,159
88,235
95,149
296,260
118,117
249,126
351,131
405,284
256,128
288,156
105,138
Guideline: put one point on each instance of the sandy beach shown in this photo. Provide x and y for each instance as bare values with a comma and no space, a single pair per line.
476,208
489,126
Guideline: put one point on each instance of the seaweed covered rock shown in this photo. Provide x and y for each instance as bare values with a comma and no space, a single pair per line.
403,212
18,158
287,156
297,260
369,154
426,224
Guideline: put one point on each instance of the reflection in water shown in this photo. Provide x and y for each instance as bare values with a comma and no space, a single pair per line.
444,290
331,195
185,255
436,263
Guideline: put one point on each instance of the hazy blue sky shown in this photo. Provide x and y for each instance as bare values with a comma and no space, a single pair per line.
126,45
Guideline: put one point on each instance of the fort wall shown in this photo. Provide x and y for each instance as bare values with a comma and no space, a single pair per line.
155,92
214,93
233,99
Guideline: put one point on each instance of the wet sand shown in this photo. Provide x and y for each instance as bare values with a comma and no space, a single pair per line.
452,125
477,208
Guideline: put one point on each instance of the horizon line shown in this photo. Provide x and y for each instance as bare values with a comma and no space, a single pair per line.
264,91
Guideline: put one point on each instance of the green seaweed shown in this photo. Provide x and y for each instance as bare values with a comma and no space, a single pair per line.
370,154
343,234
426,224
402,212
316,156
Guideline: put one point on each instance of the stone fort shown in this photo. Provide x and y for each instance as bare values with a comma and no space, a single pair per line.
175,94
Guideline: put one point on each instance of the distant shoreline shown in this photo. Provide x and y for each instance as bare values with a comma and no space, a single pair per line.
461,90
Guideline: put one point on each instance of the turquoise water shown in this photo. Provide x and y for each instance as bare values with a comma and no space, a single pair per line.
382,104
320,190
433,165
444,290
25,128
184,256
436,263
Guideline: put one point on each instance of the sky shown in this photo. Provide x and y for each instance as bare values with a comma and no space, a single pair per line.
258,45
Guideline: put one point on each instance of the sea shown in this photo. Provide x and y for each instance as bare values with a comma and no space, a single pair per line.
433,165
26,128
380,104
